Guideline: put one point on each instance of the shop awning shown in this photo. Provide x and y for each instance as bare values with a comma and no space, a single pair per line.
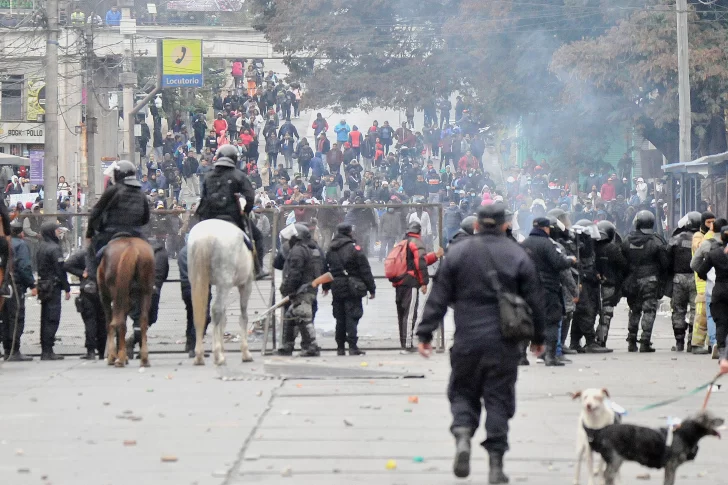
6,159
701,166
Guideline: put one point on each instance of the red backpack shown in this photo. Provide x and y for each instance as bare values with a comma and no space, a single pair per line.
395,266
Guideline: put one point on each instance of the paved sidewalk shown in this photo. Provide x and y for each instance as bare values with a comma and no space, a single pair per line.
331,420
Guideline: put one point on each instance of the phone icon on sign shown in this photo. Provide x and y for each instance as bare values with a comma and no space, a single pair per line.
182,57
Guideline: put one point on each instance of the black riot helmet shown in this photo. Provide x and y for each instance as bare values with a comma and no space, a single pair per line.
693,221
644,222
226,156
607,230
561,215
468,224
124,169
414,227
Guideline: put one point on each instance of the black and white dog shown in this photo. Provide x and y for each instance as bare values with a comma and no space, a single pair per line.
649,447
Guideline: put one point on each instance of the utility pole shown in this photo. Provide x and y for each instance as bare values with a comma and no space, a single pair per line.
50,159
91,121
683,63
128,81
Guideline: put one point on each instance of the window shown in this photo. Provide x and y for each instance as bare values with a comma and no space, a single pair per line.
11,103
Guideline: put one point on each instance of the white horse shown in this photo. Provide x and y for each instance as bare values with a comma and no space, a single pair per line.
217,256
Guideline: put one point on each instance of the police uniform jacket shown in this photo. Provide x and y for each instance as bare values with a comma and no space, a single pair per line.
611,263
121,208
346,259
461,282
50,260
645,254
218,194
548,258
305,263
22,270
680,252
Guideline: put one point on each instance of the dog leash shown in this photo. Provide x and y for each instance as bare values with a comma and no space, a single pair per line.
708,385
710,390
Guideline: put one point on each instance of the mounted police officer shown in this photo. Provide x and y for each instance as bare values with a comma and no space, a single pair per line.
679,256
122,208
484,364
352,280
304,262
612,266
220,193
647,260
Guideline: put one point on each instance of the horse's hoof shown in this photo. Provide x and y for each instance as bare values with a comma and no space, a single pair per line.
119,363
199,361
247,359
144,364
111,361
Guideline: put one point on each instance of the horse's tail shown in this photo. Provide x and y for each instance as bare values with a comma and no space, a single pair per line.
198,271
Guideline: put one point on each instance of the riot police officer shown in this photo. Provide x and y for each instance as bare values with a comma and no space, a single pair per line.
647,260
467,228
484,365
352,280
13,312
588,304
679,256
89,306
550,260
612,266
51,280
220,193
122,208
304,262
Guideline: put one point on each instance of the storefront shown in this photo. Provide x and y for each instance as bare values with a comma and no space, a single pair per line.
20,138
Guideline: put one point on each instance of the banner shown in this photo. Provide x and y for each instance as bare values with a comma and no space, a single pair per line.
36,99
24,198
182,63
206,5
36,167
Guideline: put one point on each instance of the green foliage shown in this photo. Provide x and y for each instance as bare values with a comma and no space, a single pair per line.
576,70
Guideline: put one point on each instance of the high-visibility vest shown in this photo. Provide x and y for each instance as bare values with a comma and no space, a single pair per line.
78,18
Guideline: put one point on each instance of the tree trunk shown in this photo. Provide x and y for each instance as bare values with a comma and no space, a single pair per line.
665,138
714,140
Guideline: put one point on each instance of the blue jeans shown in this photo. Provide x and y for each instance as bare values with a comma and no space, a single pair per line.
558,341
711,323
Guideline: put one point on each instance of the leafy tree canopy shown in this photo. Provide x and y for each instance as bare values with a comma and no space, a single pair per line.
573,67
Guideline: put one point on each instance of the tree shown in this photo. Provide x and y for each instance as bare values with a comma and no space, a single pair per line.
635,63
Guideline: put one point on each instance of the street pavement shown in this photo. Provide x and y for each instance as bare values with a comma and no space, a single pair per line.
331,420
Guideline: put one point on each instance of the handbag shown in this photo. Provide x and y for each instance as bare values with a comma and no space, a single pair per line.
516,316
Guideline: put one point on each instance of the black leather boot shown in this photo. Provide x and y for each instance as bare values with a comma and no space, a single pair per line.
461,464
495,474
90,355
356,351
549,357
646,346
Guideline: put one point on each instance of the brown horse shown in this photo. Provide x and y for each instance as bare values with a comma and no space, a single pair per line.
125,275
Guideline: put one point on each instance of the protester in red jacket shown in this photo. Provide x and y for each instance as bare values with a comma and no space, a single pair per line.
609,190
417,278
